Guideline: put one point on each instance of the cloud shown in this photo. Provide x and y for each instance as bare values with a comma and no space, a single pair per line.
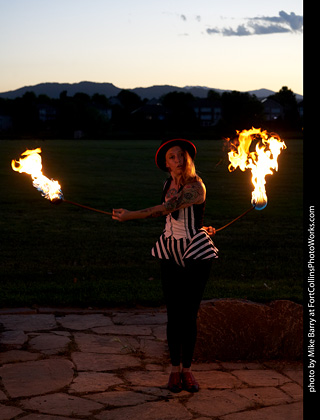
269,29
295,21
211,31
264,25
184,17
240,31
290,22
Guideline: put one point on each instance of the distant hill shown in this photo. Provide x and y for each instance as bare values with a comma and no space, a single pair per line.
53,90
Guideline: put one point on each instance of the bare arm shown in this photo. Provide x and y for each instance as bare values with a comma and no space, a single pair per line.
193,193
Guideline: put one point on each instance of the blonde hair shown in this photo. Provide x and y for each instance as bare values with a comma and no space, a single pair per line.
189,173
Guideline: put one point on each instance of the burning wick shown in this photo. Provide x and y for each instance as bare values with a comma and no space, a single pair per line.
31,164
263,161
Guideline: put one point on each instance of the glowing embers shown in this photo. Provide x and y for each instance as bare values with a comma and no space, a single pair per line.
262,161
31,164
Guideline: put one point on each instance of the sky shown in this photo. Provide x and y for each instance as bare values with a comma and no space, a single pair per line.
223,44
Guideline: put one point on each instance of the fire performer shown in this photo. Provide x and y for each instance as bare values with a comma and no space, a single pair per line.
185,250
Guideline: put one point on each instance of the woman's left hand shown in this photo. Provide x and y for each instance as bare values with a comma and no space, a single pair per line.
210,230
121,215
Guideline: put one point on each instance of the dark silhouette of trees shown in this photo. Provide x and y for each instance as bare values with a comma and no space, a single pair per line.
128,116
25,116
129,100
287,99
126,103
240,110
181,115
81,116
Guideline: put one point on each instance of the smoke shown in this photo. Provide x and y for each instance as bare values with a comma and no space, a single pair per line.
264,25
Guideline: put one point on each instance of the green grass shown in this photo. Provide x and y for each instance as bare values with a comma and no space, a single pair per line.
63,255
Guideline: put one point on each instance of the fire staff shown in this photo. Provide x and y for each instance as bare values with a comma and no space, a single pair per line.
185,250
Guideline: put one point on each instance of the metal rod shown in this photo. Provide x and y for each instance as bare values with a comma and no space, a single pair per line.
110,214
234,220
86,207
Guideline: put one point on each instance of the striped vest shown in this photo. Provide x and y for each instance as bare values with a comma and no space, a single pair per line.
183,236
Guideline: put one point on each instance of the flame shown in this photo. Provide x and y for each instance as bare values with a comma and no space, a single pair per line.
32,164
263,161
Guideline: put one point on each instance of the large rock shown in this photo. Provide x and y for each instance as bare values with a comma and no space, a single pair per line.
241,330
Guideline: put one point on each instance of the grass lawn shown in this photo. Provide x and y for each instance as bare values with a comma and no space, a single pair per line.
63,255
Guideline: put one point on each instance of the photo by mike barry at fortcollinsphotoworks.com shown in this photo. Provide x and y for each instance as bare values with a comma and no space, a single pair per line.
310,306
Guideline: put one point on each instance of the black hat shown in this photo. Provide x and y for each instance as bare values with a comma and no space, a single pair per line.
160,157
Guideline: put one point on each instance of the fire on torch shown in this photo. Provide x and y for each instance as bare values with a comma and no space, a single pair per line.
262,162
31,164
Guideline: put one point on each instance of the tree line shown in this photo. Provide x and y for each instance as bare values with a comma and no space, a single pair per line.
129,116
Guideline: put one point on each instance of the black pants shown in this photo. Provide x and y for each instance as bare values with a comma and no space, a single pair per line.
183,289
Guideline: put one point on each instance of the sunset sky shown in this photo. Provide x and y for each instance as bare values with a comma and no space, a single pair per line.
223,44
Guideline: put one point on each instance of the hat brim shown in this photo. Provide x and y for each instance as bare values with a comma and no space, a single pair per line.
160,157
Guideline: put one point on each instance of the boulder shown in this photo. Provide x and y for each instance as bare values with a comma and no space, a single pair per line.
230,329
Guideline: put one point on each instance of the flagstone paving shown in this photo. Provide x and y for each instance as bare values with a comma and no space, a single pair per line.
113,364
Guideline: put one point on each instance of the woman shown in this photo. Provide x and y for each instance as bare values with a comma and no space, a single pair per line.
185,250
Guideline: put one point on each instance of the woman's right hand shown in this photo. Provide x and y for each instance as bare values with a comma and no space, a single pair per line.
121,215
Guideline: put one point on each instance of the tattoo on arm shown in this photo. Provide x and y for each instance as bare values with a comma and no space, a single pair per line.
190,194
153,213
171,193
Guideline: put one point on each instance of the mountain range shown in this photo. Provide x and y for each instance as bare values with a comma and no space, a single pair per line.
53,90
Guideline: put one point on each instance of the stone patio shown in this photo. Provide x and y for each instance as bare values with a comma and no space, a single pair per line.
113,364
